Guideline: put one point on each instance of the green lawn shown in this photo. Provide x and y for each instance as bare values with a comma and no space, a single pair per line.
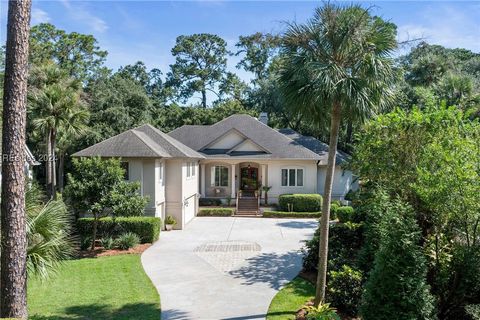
288,300
103,288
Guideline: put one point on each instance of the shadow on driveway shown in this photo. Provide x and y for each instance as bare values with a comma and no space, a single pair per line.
272,268
298,224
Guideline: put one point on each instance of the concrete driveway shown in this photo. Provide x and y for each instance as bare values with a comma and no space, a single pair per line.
225,268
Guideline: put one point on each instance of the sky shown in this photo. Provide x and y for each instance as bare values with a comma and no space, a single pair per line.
146,30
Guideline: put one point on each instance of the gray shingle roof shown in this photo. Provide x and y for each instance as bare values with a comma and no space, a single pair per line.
275,144
141,142
315,145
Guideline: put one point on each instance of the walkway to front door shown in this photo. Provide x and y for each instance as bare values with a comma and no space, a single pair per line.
225,268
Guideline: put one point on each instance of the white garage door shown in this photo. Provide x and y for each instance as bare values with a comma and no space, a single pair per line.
189,209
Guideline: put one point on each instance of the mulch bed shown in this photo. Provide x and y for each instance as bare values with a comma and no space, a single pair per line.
100,252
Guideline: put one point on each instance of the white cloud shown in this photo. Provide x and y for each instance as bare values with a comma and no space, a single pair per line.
39,16
452,27
78,12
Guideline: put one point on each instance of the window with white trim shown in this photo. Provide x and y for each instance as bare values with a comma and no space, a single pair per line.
219,176
193,169
292,177
189,164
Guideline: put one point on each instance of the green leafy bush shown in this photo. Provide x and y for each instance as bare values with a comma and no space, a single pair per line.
473,311
396,287
322,312
108,243
126,201
300,202
345,289
283,214
127,240
209,202
333,211
345,214
147,228
216,212
345,241
85,242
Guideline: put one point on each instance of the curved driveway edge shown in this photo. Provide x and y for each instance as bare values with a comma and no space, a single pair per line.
225,268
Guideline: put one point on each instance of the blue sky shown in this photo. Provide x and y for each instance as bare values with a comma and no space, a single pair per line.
146,30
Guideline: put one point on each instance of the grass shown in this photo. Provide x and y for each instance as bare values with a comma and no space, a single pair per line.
113,287
287,301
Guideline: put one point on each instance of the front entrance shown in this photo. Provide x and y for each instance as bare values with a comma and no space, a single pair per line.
249,179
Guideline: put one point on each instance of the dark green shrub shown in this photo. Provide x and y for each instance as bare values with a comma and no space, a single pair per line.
333,211
345,214
283,214
216,212
300,202
345,241
108,243
147,228
209,202
345,289
396,287
127,240
85,242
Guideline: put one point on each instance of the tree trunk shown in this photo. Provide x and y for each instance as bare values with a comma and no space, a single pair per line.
61,166
48,164
94,233
53,144
204,98
324,220
13,266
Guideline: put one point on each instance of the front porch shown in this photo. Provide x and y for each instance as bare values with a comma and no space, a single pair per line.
224,179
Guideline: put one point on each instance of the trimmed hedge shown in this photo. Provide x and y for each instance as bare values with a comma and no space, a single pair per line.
216,212
300,202
345,214
333,211
285,214
147,228
209,202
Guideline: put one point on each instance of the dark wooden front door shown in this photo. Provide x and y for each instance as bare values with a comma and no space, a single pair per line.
249,179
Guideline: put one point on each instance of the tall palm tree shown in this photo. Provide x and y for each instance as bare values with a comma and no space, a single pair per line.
56,108
338,63
13,279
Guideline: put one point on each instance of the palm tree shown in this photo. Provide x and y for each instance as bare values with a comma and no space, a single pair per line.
49,233
13,279
336,64
56,109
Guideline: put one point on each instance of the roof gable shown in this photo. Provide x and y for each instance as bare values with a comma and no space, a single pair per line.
141,142
277,145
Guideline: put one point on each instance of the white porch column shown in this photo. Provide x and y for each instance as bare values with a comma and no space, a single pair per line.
264,175
202,179
233,181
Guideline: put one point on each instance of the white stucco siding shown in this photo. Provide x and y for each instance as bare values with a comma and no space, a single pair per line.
274,178
343,181
173,190
160,188
149,186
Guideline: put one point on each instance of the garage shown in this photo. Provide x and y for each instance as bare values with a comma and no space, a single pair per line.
189,209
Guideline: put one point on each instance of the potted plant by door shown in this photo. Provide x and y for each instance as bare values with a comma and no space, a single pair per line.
170,222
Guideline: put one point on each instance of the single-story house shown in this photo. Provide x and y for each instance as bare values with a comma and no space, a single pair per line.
230,159
30,162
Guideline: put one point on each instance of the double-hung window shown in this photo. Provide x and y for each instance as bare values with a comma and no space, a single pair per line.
219,176
190,169
292,177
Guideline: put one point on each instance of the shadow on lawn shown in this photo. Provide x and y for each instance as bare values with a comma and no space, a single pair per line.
271,268
147,311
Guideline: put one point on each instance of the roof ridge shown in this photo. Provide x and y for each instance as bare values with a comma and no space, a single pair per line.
139,134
